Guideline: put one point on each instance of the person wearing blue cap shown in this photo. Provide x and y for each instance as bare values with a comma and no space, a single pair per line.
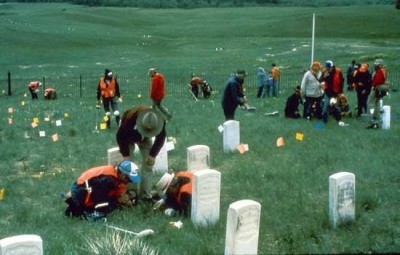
101,189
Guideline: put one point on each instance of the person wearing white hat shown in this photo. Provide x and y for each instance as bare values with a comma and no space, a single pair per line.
175,191
138,126
103,185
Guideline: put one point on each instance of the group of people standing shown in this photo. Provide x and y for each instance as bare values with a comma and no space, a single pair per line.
321,92
267,81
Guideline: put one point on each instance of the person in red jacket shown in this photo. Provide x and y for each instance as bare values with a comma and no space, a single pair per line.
50,93
33,88
101,189
176,193
379,90
108,92
157,92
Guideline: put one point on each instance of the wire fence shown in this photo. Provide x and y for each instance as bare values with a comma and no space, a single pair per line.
85,86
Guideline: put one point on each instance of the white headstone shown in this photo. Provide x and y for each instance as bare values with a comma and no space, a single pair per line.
206,197
386,117
342,198
114,157
21,245
243,226
198,157
231,135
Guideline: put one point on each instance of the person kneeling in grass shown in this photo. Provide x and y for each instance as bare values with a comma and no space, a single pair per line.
176,193
101,189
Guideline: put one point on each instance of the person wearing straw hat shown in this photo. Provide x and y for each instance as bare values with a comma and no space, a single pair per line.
103,185
175,191
138,126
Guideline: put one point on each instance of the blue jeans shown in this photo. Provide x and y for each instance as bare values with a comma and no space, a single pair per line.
327,108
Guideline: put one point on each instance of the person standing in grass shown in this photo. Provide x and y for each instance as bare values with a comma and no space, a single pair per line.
157,92
275,73
379,90
33,88
362,84
333,85
233,95
312,92
261,80
138,126
101,189
108,91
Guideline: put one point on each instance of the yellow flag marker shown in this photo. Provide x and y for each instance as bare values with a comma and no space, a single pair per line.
105,118
103,126
2,193
36,120
22,103
34,124
66,115
299,136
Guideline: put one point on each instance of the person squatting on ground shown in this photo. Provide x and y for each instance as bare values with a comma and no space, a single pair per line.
333,85
311,90
157,92
292,104
108,91
362,84
379,90
261,80
233,95
195,85
33,88
207,89
176,193
101,189
138,126
50,94
344,105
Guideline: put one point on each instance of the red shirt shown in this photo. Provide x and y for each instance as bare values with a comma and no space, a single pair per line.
379,77
157,90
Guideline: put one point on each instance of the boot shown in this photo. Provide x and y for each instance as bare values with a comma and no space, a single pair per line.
118,119
108,124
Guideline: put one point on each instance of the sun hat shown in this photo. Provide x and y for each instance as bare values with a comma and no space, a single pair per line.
329,64
149,123
164,182
378,62
130,169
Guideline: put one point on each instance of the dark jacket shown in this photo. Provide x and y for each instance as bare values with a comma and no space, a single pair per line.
233,93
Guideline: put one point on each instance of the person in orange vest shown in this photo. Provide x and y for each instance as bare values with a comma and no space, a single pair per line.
108,92
101,189
50,93
275,73
332,84
157,92
33,88
175,191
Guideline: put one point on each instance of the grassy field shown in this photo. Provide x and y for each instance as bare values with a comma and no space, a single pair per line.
291,183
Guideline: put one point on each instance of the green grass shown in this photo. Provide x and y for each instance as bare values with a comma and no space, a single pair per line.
291,183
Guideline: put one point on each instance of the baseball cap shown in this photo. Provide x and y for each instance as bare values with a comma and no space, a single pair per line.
130,169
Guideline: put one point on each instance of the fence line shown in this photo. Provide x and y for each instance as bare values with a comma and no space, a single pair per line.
85,86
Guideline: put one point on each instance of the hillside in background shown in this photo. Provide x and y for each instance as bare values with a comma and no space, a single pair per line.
215,3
